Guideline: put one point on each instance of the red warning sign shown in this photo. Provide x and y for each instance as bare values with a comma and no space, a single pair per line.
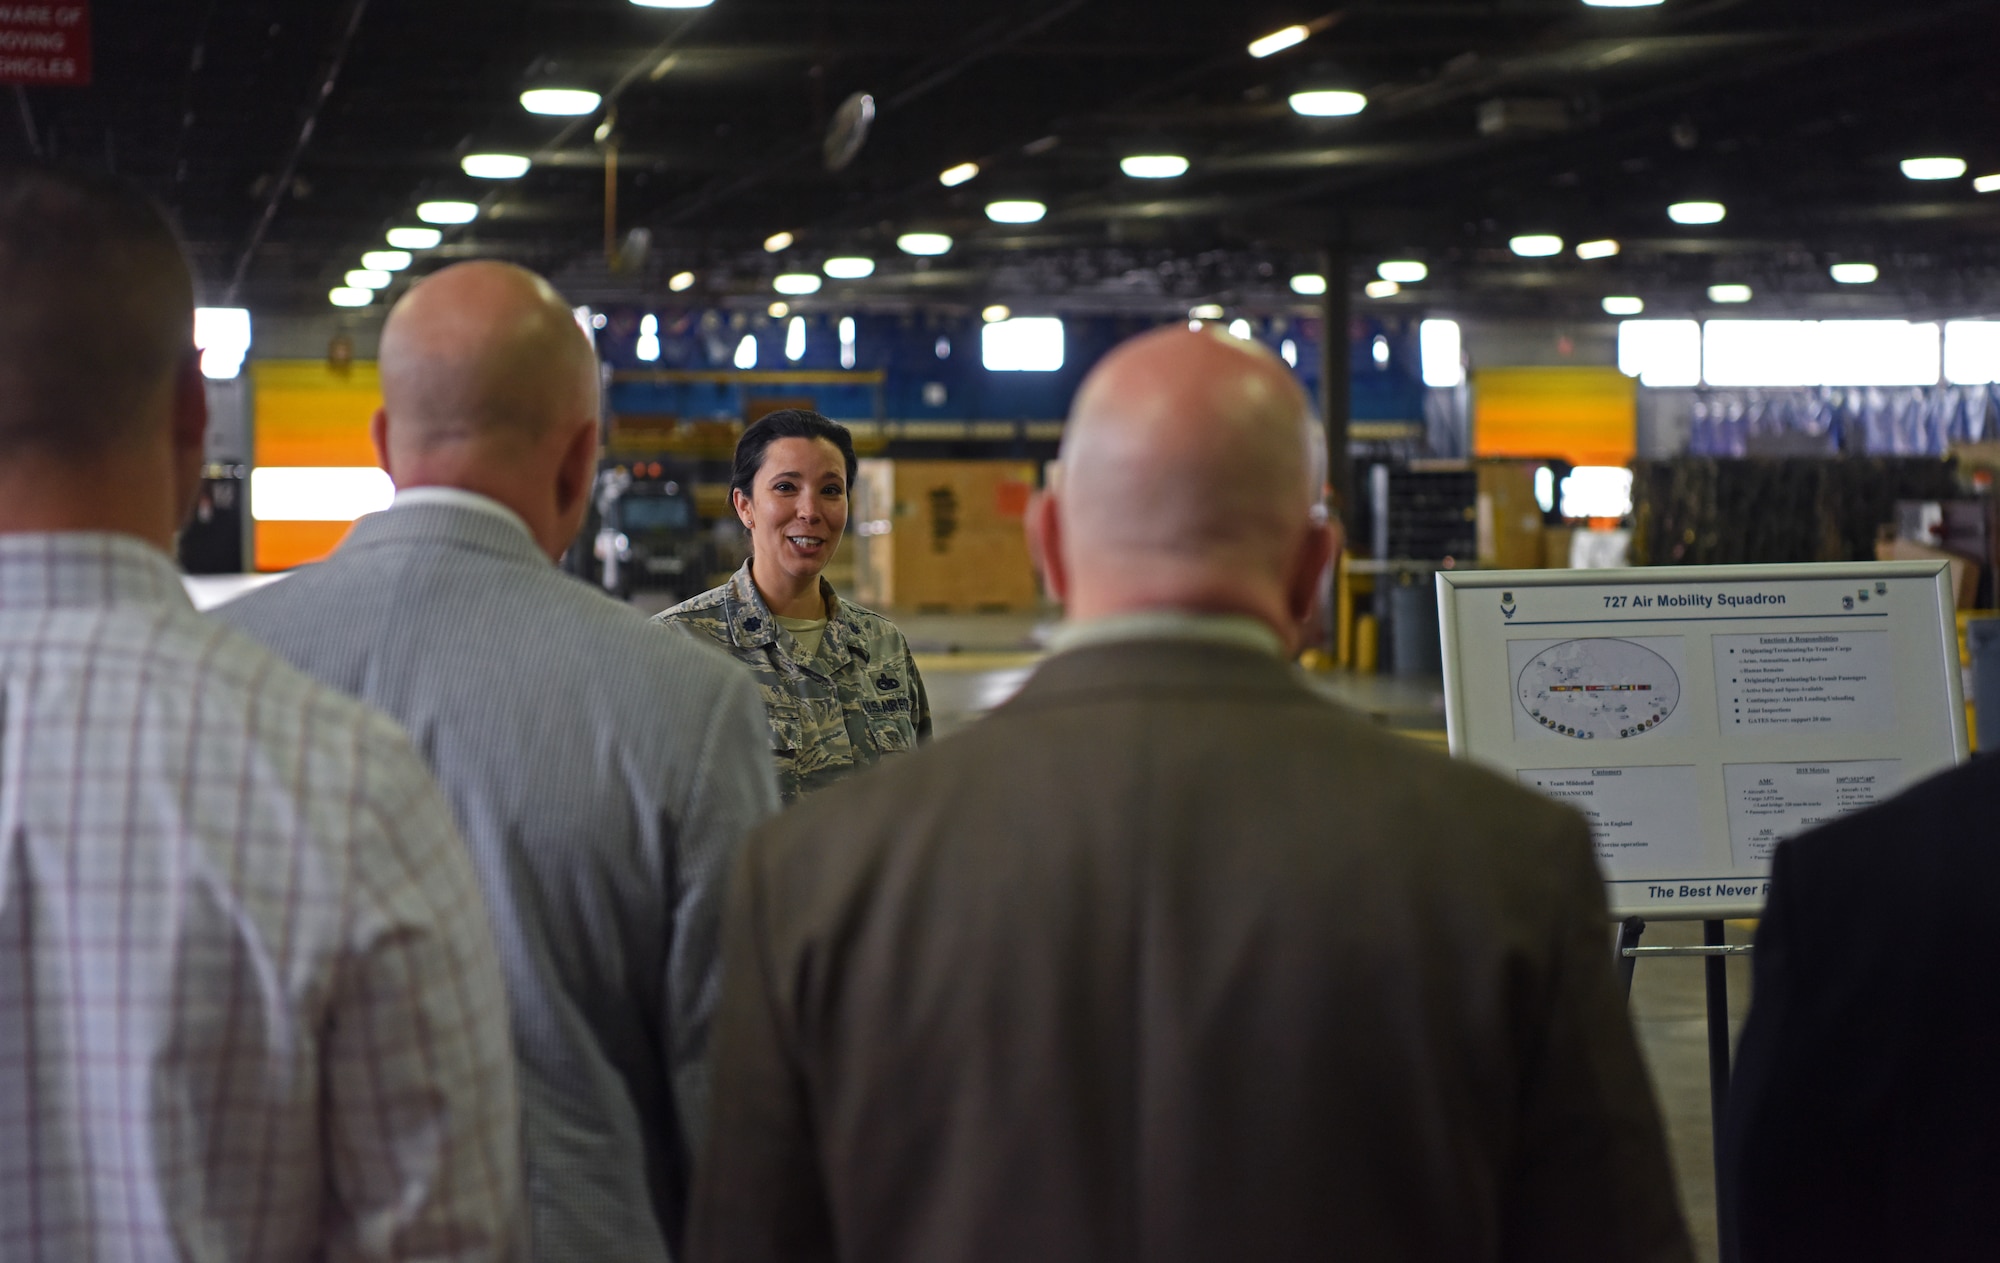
45,45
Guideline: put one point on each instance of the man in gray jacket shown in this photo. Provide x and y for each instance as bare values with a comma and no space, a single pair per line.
1171,960
601,769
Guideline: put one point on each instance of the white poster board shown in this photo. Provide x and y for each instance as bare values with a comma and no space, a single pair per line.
1698,715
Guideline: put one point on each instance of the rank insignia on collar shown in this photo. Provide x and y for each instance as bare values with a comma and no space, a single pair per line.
753,624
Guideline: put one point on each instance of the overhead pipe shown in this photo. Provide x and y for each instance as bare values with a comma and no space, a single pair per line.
283,184
27,121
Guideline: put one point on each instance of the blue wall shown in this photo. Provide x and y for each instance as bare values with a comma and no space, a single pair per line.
906,348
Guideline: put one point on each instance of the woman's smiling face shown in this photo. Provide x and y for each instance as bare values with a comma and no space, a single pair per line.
797,508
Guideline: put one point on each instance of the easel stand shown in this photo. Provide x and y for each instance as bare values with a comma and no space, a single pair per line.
1715,964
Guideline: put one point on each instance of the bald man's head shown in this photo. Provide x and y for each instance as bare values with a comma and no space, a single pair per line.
484,351
1189,444
1190,477
96,312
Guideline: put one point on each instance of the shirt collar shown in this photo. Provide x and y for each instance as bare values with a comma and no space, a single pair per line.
752,626
85,568
1238,630
459,498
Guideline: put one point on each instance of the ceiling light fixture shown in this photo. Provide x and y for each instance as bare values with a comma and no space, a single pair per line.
681,282
1382,289
1021,212
778,311
849,268
1933,168
1403,271
1596,249
796,283
673,4
1537,245
1279,41
1311,284
1729,293
368,278
415,238
1697,212
495,166
350,296
1207,311
952,177
1328,104
1987,184
924,243
1623,305
1855,273
778,241
1156,166
386,260
1622,4
995,314
447,212
560,102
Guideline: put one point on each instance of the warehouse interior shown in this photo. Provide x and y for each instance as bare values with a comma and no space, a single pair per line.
1574,284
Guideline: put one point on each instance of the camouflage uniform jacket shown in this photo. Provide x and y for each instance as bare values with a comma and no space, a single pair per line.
859,698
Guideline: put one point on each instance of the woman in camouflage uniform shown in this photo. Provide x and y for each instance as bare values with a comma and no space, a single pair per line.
840,687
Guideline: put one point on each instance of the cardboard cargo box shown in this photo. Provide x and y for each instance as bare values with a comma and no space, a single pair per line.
943,535
1510,519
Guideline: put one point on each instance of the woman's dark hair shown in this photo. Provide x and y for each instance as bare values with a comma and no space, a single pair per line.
786,423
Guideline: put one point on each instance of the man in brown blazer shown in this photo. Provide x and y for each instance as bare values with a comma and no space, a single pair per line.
1169,958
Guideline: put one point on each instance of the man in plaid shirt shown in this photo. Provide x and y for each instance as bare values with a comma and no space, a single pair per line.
249,1003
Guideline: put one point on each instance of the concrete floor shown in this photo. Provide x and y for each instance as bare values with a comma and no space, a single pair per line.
972,663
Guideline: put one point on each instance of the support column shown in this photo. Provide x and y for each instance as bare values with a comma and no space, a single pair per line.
1336,312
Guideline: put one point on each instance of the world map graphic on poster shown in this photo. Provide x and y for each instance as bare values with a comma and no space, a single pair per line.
1598,690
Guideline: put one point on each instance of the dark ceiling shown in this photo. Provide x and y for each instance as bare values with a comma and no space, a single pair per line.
289,134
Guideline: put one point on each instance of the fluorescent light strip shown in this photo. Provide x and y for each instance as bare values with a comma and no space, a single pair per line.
560,102
1933,168
1158,166
1279,41
1697,212
1328,104
447,212
1018,212
495,166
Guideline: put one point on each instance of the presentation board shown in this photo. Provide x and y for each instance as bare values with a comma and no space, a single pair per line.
1699,715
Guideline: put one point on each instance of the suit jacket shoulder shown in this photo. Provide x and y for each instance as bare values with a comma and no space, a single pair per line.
1171,946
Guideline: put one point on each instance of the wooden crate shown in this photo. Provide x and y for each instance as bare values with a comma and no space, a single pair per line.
943,535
